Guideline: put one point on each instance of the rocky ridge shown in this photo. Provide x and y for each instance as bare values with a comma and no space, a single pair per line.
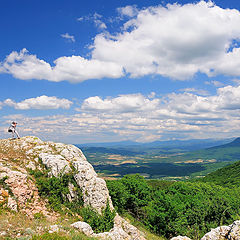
20,194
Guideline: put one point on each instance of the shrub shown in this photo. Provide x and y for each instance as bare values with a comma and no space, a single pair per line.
99,222
56,189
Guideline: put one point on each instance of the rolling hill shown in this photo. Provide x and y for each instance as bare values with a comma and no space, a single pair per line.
228,176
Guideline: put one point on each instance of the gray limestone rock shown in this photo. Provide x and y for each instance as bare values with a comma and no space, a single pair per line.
57,164
231,232
234,233
83,227
54,228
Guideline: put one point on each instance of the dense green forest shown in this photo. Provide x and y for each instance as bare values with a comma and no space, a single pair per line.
188,208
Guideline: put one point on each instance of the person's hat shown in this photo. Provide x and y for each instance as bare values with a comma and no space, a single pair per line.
14,122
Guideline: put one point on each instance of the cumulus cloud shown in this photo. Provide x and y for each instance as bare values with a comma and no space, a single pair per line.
141,118
74,69
122,103
68,37
176,105
175,41
42,102
174,115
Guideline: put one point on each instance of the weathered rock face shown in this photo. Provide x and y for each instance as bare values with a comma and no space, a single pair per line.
231,232
59,159
21,190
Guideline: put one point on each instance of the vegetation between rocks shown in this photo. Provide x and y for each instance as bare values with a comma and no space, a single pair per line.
56,189
99,222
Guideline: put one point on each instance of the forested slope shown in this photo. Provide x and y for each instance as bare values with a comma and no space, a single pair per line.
180,208
228,176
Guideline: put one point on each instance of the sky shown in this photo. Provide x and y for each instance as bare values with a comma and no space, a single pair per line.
79,71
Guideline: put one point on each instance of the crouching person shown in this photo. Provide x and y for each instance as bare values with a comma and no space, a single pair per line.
13,130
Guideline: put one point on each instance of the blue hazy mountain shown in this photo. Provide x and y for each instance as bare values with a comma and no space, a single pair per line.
187,145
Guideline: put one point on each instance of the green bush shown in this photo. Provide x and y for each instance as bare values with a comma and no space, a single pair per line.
130,193
56,189
99,222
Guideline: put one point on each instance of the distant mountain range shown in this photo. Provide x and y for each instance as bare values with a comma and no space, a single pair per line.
188,145
234,143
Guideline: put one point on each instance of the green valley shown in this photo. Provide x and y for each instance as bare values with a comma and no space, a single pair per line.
173,161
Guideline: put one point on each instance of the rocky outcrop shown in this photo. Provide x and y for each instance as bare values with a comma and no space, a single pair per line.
59,159
231,232
121,230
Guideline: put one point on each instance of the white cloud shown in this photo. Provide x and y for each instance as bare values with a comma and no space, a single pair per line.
96,18
175,115
175,41
25,66
100,24
137,117
215,83
74,69
42,102
129,10
122,103
68,37
194,90
80,19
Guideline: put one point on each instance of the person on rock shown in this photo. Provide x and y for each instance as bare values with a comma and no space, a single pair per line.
13,130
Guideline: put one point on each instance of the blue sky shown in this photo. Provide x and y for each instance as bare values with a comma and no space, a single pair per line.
96,71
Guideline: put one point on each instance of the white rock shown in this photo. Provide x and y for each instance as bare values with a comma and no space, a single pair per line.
53,228
31,165
56,163
218,233
181,238
234,232
83,227
12,204
3,233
